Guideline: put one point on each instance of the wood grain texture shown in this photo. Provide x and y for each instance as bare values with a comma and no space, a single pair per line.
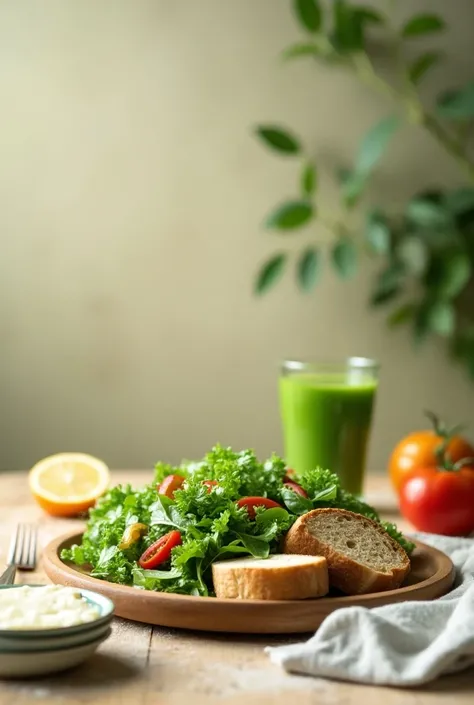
160,666
431,576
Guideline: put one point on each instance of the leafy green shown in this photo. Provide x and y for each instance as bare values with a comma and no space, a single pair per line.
309,14
457,105
423,24
392,530
309,179
279,139
212,525
344,257
423,64
270,272
290,215
374,144
308,268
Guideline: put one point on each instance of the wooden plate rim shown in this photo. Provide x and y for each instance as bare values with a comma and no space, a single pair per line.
52,560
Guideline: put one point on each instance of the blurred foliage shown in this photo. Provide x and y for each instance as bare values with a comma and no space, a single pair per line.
424,252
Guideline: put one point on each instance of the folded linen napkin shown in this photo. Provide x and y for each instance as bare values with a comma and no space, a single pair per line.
404,644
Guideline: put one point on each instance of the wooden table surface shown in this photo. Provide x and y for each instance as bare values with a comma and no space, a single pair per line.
141,665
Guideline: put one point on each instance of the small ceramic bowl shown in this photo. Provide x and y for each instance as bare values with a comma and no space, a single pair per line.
105,606
10,645
39,663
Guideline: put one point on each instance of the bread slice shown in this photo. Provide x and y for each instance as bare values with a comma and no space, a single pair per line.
361,556
278,577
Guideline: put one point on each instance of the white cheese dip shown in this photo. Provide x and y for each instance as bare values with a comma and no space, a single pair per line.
45,607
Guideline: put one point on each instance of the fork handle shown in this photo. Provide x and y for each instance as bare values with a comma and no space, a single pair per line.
8,577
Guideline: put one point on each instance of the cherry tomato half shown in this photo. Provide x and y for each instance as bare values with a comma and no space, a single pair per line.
170,484
160,551
295,487
210,484
252,502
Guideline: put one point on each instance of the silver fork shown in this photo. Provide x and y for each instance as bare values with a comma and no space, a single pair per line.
22,553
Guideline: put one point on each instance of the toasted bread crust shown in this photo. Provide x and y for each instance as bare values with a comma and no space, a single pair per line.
346,574
281,582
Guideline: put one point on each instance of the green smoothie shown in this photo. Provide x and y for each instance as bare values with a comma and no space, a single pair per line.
326,422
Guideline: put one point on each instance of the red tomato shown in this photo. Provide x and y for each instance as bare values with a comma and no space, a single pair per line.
170,484
252,502
440,501
210,484
160,551
295,487
290,473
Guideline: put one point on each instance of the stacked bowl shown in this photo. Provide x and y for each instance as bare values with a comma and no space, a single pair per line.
46,629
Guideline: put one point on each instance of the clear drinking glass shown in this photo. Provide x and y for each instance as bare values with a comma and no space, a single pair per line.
326,411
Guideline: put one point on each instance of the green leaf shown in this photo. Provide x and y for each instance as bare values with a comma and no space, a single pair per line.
164,513
348,31
413,253
270,515
460,200
278,139
456,271
422,65
421,325
427,214
230,548
141,574
374,144
457,105
106,555
367,15
290,215
441,318
423,24
328,494
308,269
388,284
258,548
270,273
308,180
352,187
378,233
303,49
401,315
309,14
295,503
344,257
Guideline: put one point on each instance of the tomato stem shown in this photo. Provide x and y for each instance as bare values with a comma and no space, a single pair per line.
462,463
442,455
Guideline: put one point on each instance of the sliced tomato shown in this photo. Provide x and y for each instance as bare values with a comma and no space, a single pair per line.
290,473
160,551
295,487
252,502
170,484
210,484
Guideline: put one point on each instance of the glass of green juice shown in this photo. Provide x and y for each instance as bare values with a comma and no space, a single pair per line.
326,411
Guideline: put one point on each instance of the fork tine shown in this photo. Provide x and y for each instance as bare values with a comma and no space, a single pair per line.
13,546
33,547
23,545
23,560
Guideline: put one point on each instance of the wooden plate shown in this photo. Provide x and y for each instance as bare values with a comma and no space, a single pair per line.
432,575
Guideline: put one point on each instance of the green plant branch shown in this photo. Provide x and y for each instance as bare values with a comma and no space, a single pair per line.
364,70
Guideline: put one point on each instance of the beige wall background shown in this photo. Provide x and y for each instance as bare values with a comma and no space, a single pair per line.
131,202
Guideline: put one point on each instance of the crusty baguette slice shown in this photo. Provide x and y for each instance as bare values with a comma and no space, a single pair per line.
279,577
361,556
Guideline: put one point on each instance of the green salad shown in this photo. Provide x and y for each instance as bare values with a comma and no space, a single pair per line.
166,535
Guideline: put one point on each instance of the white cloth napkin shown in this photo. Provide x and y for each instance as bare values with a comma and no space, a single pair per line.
404,644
